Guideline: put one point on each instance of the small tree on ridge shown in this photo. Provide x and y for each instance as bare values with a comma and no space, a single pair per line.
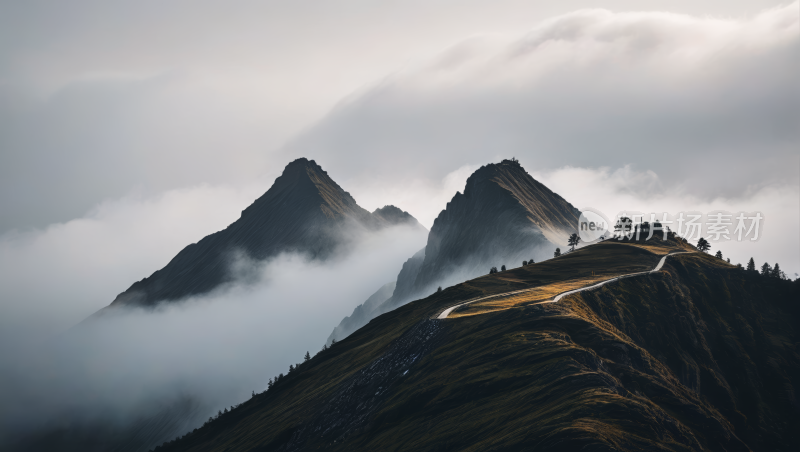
573,241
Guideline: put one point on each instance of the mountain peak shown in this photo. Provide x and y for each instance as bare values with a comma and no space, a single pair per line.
503,216
395,215
304,211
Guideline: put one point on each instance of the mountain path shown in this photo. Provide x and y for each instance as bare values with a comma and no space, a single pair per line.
446,312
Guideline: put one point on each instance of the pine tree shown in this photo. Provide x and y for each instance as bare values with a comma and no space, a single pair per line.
776,271
719,254
531,262
269,384
502,268
291,368
557,253
439,289
766,270
751,265
307,357
524,263
493,270
703,245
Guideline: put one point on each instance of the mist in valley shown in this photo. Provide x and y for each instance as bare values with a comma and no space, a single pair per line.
195,356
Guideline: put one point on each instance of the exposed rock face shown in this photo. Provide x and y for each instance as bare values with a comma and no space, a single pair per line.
503,217
304,211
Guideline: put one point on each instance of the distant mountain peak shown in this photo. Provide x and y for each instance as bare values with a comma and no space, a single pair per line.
395,215
304,211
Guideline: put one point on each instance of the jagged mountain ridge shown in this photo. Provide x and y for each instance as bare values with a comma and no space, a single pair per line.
304,211
503,217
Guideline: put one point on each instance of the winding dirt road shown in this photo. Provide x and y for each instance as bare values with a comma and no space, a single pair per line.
446,312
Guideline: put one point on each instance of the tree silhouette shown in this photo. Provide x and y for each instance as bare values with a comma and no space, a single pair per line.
502,268
777,273
524,263
439,289
766,270
307,357
573,241
623,226
751,265
557,253
493,270
269,384
291,368
703,245
531,262
719,254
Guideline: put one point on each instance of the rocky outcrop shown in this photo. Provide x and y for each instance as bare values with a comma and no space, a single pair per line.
304,211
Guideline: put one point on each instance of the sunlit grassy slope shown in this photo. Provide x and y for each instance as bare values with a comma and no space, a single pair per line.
699,356
580,268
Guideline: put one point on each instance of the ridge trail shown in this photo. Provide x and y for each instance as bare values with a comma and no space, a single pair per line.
446,312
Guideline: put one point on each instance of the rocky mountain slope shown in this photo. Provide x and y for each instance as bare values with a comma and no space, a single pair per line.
304,211
698,356
503,217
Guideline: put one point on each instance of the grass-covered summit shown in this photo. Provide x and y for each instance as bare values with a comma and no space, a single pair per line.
698,356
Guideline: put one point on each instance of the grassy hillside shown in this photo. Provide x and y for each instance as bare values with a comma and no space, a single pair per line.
699,356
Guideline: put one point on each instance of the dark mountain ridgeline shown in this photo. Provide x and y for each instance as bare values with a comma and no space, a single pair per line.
700,356
504,216
304,211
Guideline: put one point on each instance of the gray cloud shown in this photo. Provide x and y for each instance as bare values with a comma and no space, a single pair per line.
214,349
709,104
99,99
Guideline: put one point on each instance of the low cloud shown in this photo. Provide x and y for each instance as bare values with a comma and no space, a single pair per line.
628,190
709,104
213,349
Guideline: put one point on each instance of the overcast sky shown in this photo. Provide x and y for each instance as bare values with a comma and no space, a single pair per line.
112,111
99,100
131,129
109,113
